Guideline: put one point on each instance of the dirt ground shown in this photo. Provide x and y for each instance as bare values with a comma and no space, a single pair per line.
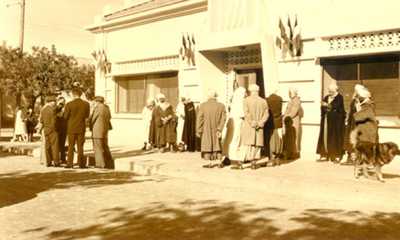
312,201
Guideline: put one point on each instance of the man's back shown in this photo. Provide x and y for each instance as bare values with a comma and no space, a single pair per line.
48,119
76,113
100,121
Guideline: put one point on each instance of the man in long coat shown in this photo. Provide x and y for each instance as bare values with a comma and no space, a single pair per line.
255,115
295,112
100,124
210,123
273,128
331,135
48,121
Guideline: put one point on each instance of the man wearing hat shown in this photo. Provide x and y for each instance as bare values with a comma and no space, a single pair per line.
99,122
48,121
255,115
76,112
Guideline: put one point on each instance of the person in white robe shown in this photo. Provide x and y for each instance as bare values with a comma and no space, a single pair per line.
236,117
147,114
180,113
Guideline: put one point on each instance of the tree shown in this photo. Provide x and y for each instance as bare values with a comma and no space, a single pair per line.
41,73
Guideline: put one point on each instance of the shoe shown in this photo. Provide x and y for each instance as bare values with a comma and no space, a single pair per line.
207,166
68,166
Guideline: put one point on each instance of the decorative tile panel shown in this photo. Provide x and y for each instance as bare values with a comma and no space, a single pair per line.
242,57
372,40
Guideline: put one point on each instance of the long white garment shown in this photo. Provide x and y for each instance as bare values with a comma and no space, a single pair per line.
180,113
20,125
235,121
146,116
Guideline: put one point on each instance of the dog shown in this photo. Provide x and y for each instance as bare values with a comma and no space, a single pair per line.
375,154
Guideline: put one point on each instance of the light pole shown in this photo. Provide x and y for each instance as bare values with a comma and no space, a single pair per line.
22,22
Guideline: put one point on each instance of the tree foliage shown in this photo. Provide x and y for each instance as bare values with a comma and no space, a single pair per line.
41,72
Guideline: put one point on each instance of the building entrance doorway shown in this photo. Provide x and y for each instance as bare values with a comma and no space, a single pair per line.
246,77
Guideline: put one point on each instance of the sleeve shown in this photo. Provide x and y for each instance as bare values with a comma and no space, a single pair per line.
67,111
265,116
246,113
364,115
222,120
200,122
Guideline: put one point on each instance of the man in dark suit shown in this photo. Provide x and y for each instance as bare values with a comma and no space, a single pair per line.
76,112
99,122
48,121
61,125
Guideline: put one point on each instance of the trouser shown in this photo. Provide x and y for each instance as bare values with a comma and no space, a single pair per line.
62,136
102,154
79,139
51,146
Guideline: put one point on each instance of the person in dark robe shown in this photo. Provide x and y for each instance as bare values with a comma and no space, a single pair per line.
31,122
189,128
273,129
289,148
165,122
331,136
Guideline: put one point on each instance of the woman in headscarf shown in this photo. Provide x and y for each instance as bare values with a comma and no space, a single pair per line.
295,112
350,122
236,117
366,130
331,135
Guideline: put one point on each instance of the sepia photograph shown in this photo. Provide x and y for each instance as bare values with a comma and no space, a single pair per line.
199,119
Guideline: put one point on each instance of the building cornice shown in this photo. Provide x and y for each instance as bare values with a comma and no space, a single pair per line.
180,8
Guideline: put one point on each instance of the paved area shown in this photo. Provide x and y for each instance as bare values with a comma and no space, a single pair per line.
302,200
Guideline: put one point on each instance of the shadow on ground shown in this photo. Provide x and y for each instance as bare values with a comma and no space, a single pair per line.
212,220
20,186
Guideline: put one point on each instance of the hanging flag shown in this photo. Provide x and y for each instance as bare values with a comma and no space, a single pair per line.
297,43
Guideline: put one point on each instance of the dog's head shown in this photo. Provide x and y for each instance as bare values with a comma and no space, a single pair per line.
389,150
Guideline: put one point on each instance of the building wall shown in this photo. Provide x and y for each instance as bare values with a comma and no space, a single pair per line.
320,22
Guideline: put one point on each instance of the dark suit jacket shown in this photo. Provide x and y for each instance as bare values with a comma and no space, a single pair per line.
76,112
48,119
99,121
275,106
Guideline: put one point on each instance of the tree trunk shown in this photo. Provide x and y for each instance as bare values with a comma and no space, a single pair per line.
18,99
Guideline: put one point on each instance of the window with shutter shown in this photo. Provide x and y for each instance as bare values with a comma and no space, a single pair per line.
380,74
133,91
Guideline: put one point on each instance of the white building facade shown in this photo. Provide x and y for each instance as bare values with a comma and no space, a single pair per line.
185,47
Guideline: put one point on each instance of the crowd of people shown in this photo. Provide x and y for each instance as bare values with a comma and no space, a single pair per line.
63,123
251,128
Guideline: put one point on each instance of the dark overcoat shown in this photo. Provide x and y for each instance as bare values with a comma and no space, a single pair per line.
210,120
189,127
332,128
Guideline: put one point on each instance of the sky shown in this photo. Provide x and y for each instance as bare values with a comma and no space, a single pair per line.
58,22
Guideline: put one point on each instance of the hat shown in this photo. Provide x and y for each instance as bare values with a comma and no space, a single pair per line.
50,99
254,88
99,99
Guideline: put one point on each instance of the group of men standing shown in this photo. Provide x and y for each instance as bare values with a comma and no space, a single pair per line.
61,121
251,130
245,132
